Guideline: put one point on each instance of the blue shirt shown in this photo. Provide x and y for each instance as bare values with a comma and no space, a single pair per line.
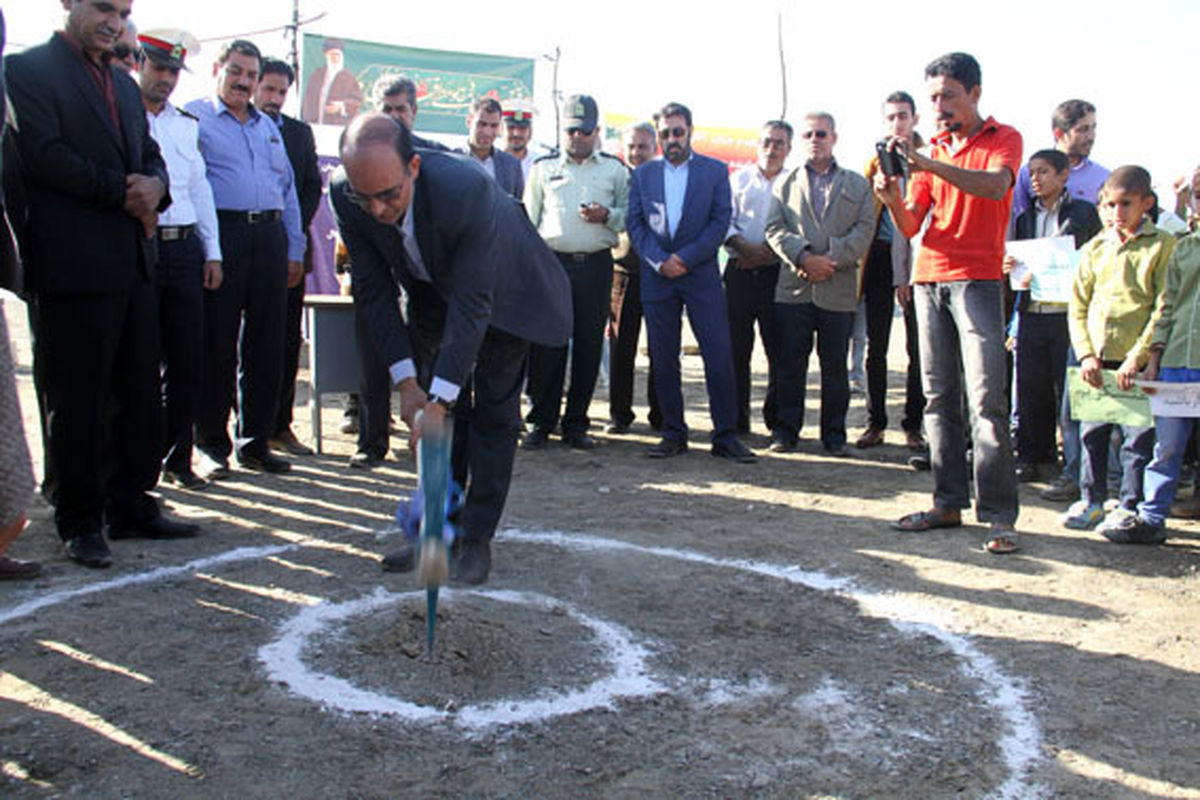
675,181
248,167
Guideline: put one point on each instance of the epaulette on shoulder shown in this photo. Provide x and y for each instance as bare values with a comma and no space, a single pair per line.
183,112
553,154
610,155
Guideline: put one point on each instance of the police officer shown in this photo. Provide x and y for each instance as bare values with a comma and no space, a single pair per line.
578,201
189,248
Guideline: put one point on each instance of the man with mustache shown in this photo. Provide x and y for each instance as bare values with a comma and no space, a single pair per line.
189,248
273,86
965,187
263,247
92,183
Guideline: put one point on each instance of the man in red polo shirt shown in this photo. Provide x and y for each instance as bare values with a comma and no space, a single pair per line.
965,186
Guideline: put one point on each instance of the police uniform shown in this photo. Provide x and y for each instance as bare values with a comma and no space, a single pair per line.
187,237
557,189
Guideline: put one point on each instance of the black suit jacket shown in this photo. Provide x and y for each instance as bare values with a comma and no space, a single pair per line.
302,152
1075,217
71,226
487,264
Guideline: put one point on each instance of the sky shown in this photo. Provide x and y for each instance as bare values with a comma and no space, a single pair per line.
1133,61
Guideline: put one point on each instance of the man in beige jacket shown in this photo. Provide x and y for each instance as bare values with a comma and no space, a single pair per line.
820,223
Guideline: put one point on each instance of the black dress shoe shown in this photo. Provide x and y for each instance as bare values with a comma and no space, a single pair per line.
1027,473
471,562
88,549
616,427
783,444
184,480
667,448
286,442
734,450
158,528
364,459
213,468
401,560
536,439
838,450
263,461
579,441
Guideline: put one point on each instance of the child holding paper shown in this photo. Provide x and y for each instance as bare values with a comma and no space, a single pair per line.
1174,358
1121,277
1043,338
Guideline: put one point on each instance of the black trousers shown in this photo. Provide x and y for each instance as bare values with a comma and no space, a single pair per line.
799,325
291,357
750,297
181,322
880,299
625,326
1042,344
97,356
591,292
243,348
914,395
374,391
487,421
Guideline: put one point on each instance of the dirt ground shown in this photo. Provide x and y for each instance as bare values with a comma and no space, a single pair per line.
689,628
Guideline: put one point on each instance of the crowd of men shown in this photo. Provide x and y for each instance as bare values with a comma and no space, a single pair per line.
166,249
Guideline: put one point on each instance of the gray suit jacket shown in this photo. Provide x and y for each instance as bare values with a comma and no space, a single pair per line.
843,233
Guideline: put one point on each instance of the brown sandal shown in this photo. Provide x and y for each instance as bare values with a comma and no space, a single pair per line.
13,570
926,521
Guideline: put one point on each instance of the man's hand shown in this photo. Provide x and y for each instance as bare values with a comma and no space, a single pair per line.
430,419
887,189
213,275
756,255
673,267
1092,371
142,196
295,274
412,400
1128,371
904,295
593,212
820,268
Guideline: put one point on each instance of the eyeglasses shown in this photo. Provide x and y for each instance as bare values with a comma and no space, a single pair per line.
364,201
672,133
579,132
123,51
820,134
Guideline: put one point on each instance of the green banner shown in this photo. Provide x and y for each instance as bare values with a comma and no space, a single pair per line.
341,77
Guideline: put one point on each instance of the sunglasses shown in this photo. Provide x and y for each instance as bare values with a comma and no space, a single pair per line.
364,201
817,133
123,51
579,131
672,133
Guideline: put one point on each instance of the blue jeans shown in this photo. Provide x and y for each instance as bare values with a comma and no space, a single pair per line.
1093,466
1171,441
961,326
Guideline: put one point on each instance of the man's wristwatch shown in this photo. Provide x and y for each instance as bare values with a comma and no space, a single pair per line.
441,401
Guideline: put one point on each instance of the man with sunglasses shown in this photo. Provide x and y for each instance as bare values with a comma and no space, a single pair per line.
479,285
753,268
577,200
820,223
189,248
679,212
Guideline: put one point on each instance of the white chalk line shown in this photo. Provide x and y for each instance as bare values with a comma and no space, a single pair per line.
625,658
1021,743
1008,696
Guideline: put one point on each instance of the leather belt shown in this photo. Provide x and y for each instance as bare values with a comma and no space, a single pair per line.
175,233
250,217
1037,307
578,258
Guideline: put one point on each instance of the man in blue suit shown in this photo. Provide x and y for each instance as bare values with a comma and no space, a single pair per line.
679,209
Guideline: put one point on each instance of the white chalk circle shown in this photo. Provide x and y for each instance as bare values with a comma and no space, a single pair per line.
626,660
